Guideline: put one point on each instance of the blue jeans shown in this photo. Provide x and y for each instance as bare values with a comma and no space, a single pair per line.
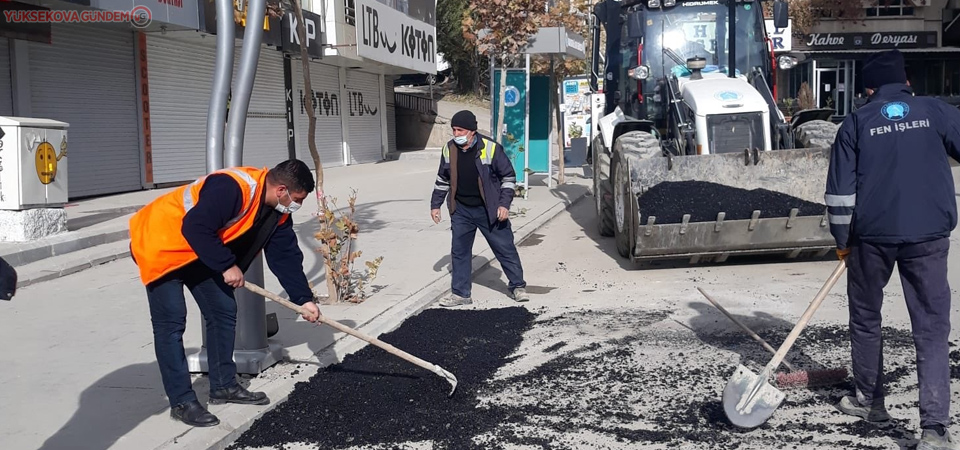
466,221
168,313
923,273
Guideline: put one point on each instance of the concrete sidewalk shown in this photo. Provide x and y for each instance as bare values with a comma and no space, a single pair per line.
79,368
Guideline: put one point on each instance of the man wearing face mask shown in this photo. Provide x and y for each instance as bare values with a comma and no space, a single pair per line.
478,176
204,236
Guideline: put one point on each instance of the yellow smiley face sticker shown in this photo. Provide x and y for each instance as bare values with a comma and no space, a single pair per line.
46,159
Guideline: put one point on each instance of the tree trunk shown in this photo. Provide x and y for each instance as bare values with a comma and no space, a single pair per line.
332,290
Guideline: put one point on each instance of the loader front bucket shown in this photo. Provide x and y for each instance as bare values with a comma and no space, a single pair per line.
714,206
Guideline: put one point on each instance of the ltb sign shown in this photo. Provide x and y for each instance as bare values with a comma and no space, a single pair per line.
781,37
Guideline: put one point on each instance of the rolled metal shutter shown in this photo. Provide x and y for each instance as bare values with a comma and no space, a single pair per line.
325,81
87,78
6,91
391,114
180,77
265,135
365,140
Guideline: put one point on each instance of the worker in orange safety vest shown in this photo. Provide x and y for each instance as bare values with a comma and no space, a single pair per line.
204,236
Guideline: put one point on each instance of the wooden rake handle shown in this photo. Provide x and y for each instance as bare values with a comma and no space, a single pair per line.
792,337
341,327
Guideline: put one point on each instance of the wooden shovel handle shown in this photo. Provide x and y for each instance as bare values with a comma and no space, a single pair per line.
827,286
339,326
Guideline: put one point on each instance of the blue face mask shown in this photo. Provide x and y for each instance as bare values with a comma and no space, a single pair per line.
460,140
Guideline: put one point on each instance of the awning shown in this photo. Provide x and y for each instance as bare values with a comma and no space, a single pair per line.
550,41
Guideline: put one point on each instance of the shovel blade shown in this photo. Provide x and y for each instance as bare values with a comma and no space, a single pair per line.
758,407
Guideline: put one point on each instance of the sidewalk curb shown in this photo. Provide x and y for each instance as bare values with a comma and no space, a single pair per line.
31,252
29,276
237,419
426,154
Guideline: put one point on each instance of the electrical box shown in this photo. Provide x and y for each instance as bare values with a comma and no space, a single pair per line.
33,163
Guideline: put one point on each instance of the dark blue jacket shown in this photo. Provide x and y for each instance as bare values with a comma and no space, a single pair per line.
498,180
890,180
220,201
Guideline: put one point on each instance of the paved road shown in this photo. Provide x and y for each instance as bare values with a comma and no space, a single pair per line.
624,358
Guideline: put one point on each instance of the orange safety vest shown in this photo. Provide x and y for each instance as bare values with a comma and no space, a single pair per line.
156,243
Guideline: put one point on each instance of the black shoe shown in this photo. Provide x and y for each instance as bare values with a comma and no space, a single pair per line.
237,394
194,414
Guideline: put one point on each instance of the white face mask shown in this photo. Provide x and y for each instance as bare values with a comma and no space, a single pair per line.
289,209
460,140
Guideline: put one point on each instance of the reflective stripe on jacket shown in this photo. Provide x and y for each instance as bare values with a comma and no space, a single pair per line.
498,180
156,242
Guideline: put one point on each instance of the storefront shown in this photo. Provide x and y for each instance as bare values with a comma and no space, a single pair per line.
137,99
86,74
180,76
86,77
830,63
330,106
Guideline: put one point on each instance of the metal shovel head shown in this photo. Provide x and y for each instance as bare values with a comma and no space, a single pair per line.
748,400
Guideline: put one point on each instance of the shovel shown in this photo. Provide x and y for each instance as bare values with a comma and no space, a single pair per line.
339,326
749,399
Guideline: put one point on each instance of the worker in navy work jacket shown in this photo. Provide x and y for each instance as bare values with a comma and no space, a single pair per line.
890,199
478,181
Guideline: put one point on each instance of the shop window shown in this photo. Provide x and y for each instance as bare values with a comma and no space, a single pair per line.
890,8
934,69
916,74
951,79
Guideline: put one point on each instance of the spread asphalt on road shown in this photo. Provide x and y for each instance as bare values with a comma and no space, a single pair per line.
606,355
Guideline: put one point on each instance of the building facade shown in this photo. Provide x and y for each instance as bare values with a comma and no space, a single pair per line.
136,97
830,56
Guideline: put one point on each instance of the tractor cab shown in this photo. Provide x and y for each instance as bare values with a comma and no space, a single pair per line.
659,39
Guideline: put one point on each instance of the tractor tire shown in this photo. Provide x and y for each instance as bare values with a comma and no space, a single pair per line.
632,146
603,192
816,134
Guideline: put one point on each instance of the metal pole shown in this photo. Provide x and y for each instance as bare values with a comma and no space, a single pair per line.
526,128
732,35
252,353
216,122
246,73
493,103
222,75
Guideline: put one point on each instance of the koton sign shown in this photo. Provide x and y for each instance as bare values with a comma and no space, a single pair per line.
392,37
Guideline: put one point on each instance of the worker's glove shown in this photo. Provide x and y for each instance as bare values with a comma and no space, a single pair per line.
842,254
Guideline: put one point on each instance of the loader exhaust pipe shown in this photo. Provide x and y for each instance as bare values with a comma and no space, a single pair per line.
732,27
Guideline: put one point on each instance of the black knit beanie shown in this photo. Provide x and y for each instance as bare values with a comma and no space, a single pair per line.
884,68
464,119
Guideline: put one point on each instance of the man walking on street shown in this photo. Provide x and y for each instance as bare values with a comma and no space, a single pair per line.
891,199
477,180
204,236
